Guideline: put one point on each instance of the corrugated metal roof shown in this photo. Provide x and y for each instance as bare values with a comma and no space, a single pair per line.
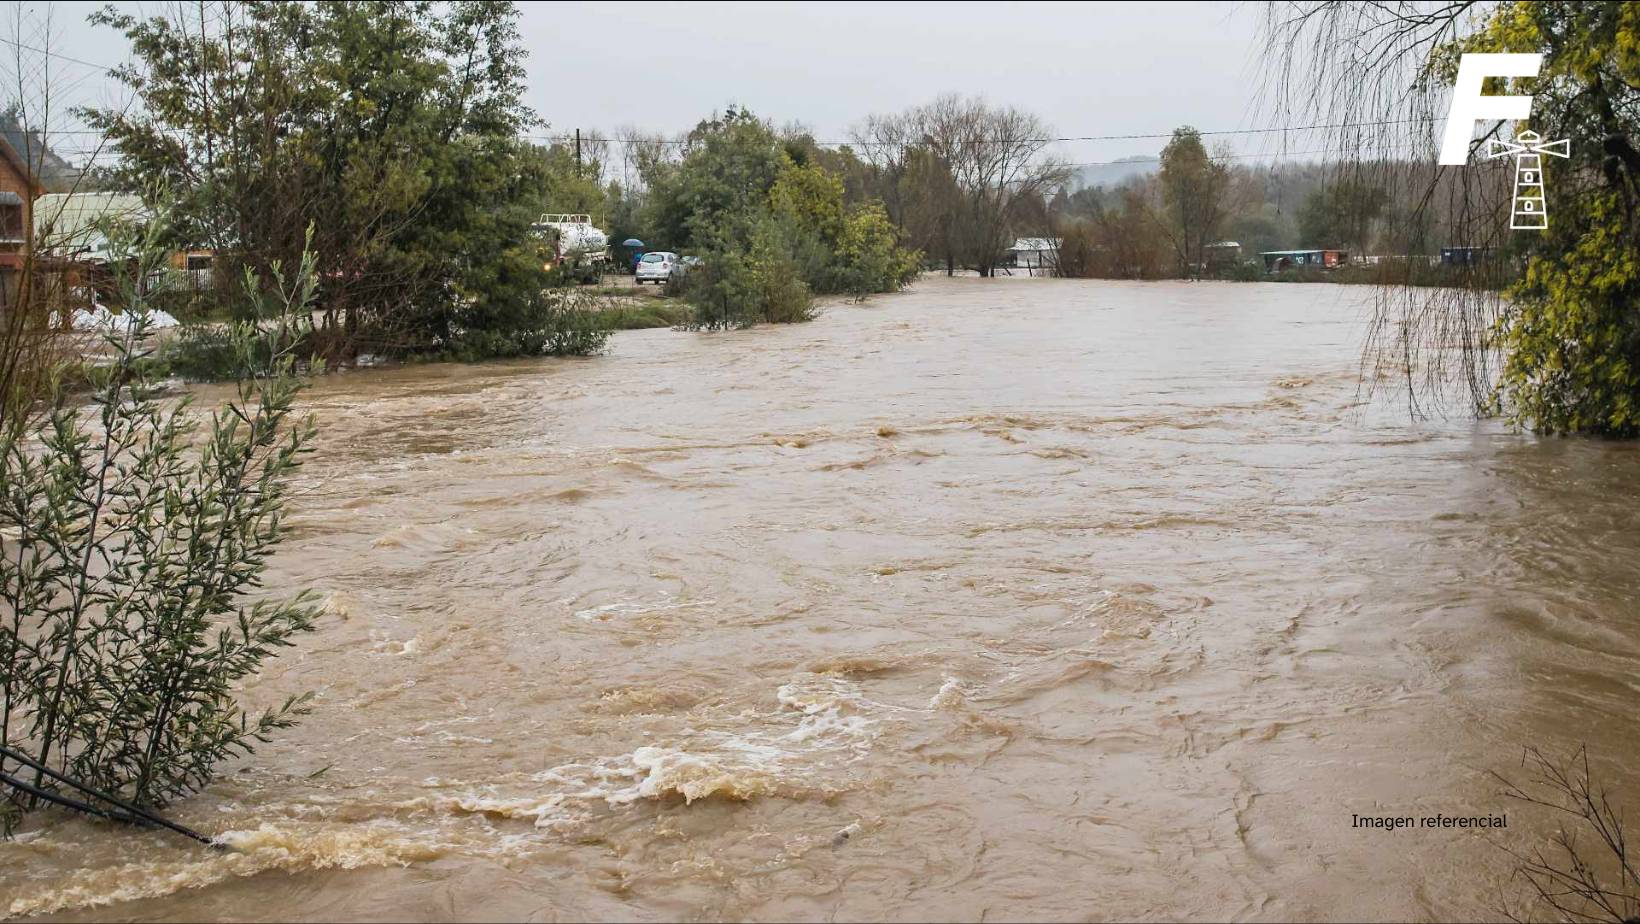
73,221
1026,244
76,222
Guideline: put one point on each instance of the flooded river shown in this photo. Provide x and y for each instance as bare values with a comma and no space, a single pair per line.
994,599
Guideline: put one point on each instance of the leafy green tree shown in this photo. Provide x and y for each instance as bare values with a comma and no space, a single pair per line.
720,187
391,129
562,185
748,282
869,258
1258,230
811,197
772,224
1570,328
1193,190
1342,214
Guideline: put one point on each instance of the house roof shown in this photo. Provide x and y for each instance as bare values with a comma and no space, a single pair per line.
18,164
1036,243
28,152
77,222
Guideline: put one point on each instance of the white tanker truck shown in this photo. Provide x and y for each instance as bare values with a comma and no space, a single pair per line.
578,248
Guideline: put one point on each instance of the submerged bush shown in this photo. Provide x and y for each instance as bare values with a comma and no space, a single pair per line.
869,258
647,313
554,322
264,331
201,353
743,287
134,535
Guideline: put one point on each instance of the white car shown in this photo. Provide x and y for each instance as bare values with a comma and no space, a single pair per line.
656,267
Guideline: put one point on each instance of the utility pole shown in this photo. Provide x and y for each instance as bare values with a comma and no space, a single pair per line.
577,152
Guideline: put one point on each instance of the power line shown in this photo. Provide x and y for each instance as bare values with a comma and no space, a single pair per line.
54,54
1276,155
565,139
578,137
570,138
1272,155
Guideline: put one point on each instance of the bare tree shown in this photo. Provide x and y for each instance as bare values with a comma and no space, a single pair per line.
888,144
641,152
996,158
992,157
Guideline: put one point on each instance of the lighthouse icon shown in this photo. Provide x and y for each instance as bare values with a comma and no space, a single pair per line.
1529,211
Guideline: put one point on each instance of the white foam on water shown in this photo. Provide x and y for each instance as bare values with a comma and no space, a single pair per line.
804,747
951,695
632,608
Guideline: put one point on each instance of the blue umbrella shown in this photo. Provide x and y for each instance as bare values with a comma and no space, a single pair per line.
632,242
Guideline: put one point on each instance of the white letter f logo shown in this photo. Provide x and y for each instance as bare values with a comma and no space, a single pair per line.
1469,106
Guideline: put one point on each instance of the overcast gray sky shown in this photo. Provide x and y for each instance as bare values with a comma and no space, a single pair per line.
1089,69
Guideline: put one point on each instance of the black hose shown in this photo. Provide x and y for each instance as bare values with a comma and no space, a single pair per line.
132,814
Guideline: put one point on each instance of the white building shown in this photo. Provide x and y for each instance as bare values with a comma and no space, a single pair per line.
1035,255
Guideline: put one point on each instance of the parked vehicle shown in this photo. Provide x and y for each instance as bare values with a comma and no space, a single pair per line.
578,248
657,266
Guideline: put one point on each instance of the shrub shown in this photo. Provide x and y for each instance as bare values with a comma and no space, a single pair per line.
721,293
134,538
201,353
773,224
869,258
265,330
740,287
554,322
648,313
1078,252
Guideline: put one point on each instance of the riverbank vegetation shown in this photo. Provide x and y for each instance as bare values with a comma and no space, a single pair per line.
135,540
392,133
1557,348
1163,223
397,134
771,224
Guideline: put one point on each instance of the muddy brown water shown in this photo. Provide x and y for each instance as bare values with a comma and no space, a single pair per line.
990,600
